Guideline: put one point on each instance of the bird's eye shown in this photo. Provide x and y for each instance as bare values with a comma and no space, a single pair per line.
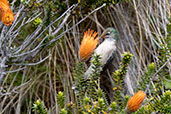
108,33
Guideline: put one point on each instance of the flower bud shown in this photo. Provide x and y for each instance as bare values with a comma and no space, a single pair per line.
135,101
88,44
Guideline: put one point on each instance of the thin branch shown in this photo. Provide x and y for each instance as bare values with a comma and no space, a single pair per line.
59,36
13,90
31,64
157,73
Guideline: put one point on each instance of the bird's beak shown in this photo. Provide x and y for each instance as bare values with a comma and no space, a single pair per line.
101,36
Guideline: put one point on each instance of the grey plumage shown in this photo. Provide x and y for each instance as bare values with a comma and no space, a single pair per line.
105,49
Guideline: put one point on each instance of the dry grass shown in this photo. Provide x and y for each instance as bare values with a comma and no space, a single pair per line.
140,25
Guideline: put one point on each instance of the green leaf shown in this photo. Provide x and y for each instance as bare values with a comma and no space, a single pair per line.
167,84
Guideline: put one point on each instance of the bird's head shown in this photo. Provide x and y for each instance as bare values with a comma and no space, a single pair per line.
110,33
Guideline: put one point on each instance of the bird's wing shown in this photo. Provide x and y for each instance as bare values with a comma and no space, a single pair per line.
109,60
105,50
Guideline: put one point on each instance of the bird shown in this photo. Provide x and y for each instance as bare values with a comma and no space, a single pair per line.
106,49
6,14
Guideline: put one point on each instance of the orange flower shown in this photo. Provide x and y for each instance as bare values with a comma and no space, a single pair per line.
6,15
135,101
88,44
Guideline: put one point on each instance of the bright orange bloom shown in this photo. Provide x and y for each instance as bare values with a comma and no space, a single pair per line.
6,15
88,44
135,101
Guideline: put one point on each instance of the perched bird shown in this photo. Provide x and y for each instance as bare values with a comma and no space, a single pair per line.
105,49
6,15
